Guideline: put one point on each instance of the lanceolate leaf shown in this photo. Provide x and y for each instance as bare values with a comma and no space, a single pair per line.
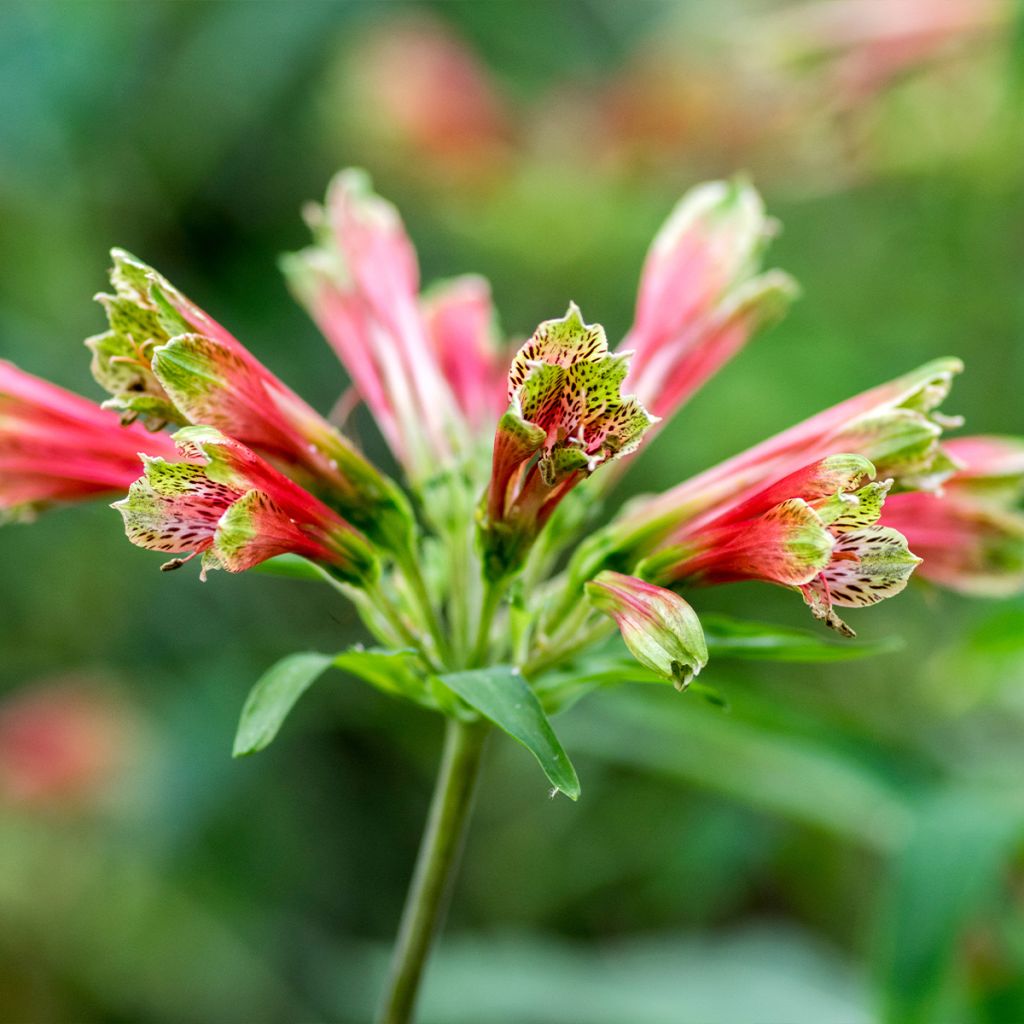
393,672
276,692
501,694
761,641
273,696
727,638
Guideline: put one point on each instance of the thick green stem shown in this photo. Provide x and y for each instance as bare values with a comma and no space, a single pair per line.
435,867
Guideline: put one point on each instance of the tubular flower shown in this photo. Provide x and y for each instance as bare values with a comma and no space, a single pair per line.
166,360
971,534
360,283
814,530
660,629
56,446
232,507
701,297
566,416
896,426
461,327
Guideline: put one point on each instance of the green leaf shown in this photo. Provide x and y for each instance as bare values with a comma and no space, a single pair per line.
952,872
273,696
393,672
501,694
762,641
292,567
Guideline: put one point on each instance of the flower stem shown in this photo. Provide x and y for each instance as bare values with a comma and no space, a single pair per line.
410,567
492,598
435,867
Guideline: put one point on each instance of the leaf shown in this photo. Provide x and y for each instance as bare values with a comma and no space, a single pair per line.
798,777
292,567
501,694
762,641
273,696
275,693
951,872
393,672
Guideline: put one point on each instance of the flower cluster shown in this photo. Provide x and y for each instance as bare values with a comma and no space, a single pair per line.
840,509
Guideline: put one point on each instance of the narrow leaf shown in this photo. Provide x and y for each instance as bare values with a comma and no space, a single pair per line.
273,696
762,641
501,694
292,567
393,672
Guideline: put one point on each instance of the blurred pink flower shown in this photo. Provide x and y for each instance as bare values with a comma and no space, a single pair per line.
60,744
429,94
869,43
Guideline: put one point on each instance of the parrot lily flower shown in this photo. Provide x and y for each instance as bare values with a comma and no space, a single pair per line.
460,324
232,507
971,535
896,426
360,283
566,417
814,530
56,446
166,360
700,296
660,629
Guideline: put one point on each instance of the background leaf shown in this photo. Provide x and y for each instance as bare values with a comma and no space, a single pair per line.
501,694
949,873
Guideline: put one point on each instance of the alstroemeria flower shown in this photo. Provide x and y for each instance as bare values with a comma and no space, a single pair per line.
166,360
700,296
360,283
815,530
460,321
56,446
660,629
566,417
971,534
232,507
896,426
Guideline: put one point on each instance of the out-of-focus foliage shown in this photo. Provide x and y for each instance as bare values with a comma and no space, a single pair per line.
842,842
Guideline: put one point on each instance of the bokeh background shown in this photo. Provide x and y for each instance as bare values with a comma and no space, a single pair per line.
842,845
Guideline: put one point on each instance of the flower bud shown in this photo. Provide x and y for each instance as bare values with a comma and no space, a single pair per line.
660,629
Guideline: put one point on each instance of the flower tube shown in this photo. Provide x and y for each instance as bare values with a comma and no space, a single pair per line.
165,360
566,417
233,508
701,297
360,283
896,426
971,534
814,531
56,446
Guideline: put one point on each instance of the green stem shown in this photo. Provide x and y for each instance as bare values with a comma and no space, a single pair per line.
391,614
435,867
410,567
544,660
492,598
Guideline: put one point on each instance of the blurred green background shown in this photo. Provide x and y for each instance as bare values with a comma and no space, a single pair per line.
843,845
